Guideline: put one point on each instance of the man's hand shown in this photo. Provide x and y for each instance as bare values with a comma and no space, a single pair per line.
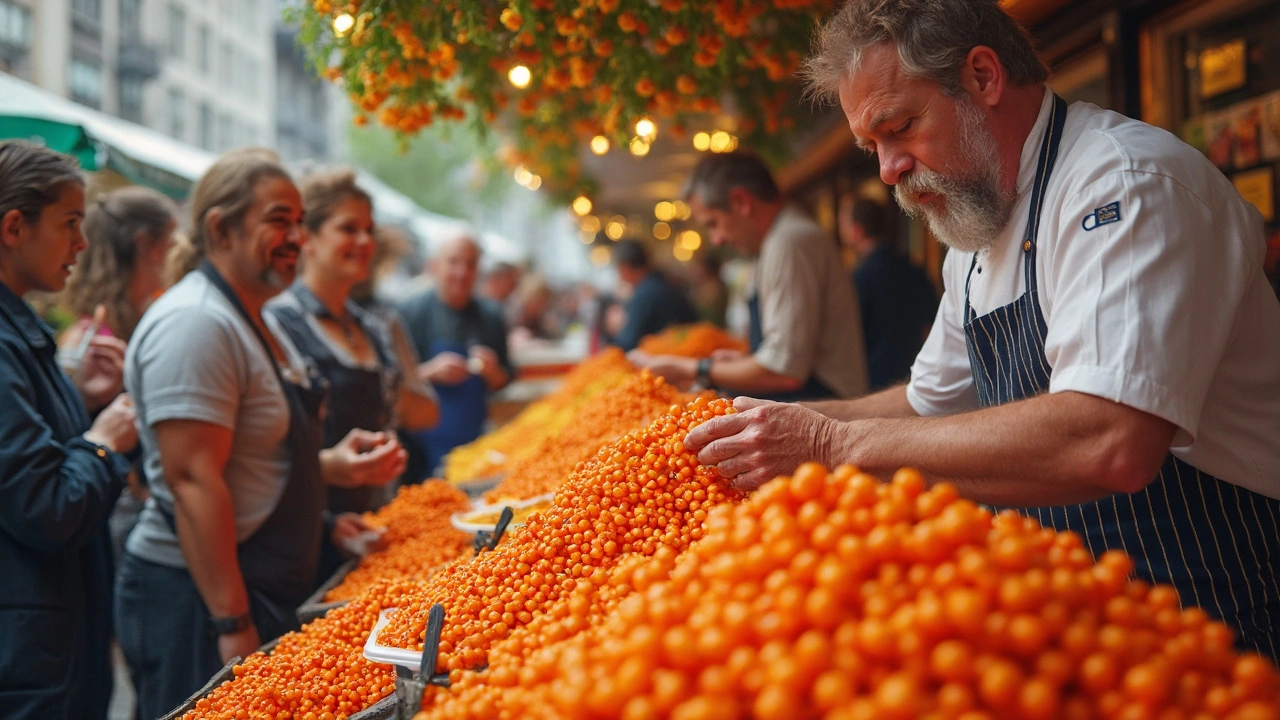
353,536
363,458
488,365
101,375
446,368
239,644
679,371
759,442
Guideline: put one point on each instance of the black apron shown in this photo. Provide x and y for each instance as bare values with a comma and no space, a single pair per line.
1217,543
813,388
279,560
359,397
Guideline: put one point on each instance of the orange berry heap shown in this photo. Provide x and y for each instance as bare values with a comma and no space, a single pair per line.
642,493
418,539
515,442
698,340
832,595
318,673
628,406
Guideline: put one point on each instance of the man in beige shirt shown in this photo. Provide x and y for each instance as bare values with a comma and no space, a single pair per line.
806,333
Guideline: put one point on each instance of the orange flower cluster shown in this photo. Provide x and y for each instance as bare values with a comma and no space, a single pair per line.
642,493
698,340
596,66
318,673
623,408
418,539
833,595
512,444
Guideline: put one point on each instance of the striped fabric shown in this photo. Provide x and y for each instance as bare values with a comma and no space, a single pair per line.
1217,543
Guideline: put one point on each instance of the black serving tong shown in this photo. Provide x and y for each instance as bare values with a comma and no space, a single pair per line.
411,685
486,540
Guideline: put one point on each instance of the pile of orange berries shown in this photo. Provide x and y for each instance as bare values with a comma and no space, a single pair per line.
640,494
318,673
833,595
698,340
624,408
418,538
515,442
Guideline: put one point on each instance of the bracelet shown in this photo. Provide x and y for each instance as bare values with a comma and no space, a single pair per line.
229,625
703,377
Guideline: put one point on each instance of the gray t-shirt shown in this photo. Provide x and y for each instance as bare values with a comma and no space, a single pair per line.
193,357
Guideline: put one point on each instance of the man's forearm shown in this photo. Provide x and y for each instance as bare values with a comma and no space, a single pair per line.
1058,449
745,375
890,403
207,534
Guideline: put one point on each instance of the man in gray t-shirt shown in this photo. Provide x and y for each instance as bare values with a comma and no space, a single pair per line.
201,361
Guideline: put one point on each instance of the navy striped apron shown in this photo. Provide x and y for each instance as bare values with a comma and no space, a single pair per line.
1217,543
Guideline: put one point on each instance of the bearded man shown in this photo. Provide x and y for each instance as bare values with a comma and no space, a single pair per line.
1106,357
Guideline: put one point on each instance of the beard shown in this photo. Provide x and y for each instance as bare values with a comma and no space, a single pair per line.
970,209
280,278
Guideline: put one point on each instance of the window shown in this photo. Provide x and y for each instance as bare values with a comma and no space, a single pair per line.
250,79
226,66
131,98
177,31
225,140
204,52
90,10
15,25
85,82
205,126
130,18
177,113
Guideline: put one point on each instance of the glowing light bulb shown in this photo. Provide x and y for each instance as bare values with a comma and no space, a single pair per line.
701,142
599,144
639,147
646,129
343,24
661,230
520,76
582,205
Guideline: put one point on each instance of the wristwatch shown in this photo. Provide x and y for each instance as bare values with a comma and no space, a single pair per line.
229,625
703,377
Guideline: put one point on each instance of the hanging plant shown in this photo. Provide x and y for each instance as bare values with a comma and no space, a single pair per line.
556,74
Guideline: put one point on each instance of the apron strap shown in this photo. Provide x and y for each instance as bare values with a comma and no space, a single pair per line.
209,271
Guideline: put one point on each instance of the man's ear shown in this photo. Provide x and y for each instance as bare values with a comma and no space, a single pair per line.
11,227
983,76
741,202
215,227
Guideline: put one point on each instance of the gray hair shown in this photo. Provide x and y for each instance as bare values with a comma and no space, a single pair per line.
933,39
717,174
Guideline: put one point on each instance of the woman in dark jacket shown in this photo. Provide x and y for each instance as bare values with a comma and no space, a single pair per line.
59,474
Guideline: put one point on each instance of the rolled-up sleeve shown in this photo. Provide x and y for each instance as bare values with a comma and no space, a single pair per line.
790,292
941,379
1152,296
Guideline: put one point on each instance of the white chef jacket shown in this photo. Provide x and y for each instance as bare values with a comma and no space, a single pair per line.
1149,266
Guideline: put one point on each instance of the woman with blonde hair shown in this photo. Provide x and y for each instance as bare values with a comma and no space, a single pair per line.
130,232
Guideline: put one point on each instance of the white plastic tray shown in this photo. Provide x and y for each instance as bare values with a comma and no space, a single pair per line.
459,522
373,652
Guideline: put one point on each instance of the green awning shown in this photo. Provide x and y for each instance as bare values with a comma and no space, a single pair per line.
67,138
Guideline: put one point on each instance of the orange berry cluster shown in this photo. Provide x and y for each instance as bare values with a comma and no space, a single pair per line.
317,673
626,407
639,494
418,538
513,443
833,595
698,340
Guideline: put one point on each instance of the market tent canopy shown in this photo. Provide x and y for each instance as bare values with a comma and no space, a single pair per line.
98,140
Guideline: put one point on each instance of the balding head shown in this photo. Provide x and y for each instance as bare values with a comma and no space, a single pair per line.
455,269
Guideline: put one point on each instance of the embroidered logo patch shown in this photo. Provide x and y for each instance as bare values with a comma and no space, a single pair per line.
1102,216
